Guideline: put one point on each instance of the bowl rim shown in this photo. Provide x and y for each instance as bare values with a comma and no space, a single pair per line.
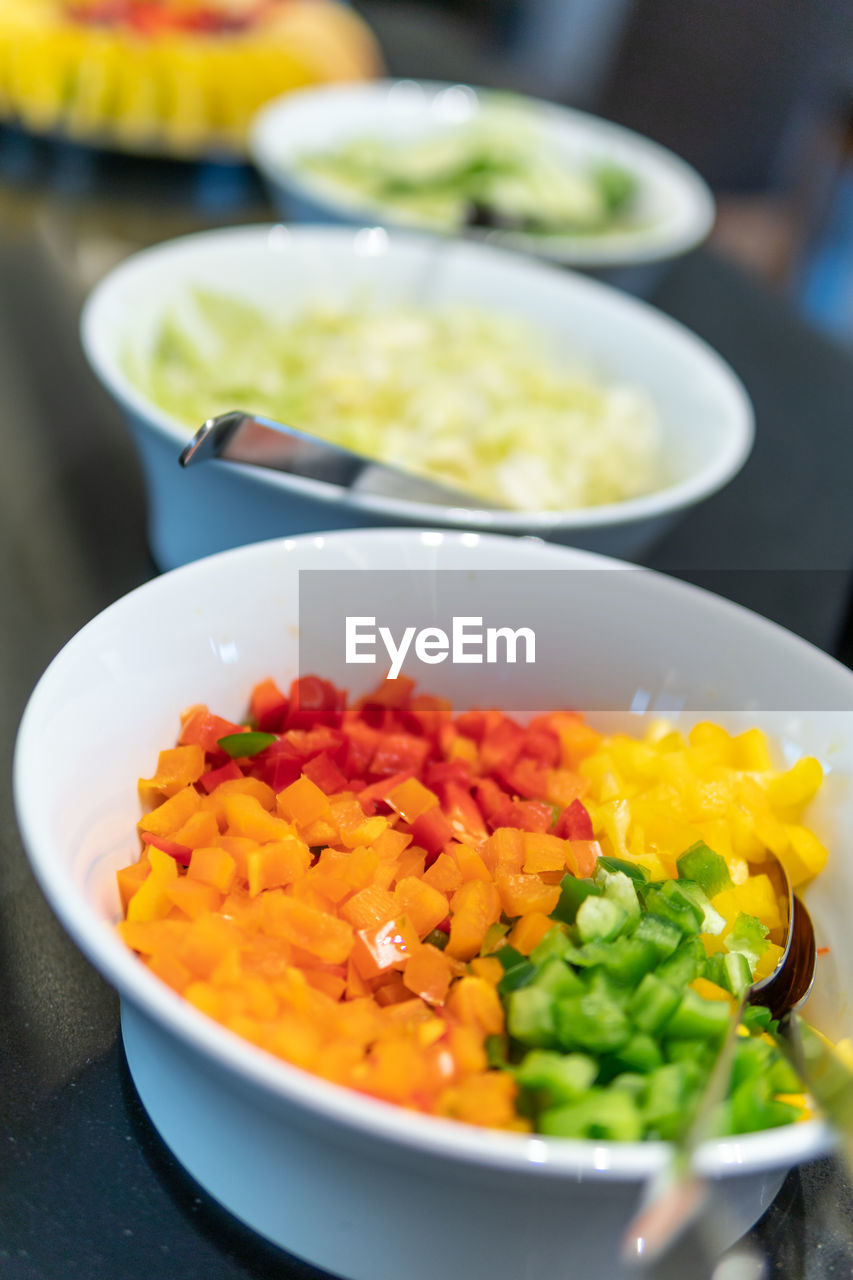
640,246
278,1081
720,469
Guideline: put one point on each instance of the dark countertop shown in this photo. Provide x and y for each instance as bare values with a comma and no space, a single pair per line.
86,1187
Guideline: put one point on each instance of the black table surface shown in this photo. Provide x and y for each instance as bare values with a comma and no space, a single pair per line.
86,1187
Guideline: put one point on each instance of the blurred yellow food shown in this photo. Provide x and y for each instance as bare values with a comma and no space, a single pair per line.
651,799
180,76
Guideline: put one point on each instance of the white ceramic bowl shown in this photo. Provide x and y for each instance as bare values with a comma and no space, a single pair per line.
675,209
706,415
362,1188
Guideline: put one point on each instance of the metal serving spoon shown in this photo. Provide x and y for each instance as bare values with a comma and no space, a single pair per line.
262,442
671,1237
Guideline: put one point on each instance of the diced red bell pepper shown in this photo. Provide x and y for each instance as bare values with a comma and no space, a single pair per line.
432,831
542,745
390,693
380,718
268,706
426,715
471,724
323,771
225,773
463,814
491,799
439,772
501,745
362,743
205,729
314,702
277,765
527,815
523,778
574,823
313,742
180,852
398,753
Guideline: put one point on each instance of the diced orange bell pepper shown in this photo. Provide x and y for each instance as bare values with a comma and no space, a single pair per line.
199,830
150,901
171,815
213,866
303,802
370,907
316,931
193,897
520,894
425,906
278,863
543,852
129,879
444,874
471,865
474,906
505,848
476,1003
246,817
428,974
411,798
388,946
529,930
581,857
176,768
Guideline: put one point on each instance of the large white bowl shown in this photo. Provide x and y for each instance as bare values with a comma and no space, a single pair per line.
675,209
365,1189
706,415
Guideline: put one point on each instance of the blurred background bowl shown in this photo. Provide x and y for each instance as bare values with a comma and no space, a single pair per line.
706,416
674,209
360,1187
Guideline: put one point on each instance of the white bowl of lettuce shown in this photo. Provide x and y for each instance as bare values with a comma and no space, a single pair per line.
573,412
450,159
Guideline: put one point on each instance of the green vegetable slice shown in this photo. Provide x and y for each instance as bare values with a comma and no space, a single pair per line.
238,745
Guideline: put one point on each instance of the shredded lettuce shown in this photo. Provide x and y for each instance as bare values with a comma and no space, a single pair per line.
501,169
467,397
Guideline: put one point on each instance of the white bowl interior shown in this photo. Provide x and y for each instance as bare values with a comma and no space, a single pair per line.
706,416
674,211
205,633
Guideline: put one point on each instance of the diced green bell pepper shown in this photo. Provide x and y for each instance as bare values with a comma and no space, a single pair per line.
572,893
561,1077
662,934
670,901
530,1016
600,918
653,1004
686,963
593,1022
608,1114
708,869
640,1054
632,869
697,1018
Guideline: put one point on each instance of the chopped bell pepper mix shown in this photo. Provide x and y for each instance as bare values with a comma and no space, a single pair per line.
528,927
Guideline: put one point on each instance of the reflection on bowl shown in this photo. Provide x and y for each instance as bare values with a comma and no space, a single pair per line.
706,418
670,212
357,1186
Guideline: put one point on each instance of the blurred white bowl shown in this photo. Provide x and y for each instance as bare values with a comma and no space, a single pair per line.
368,1190
674,207
707,419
